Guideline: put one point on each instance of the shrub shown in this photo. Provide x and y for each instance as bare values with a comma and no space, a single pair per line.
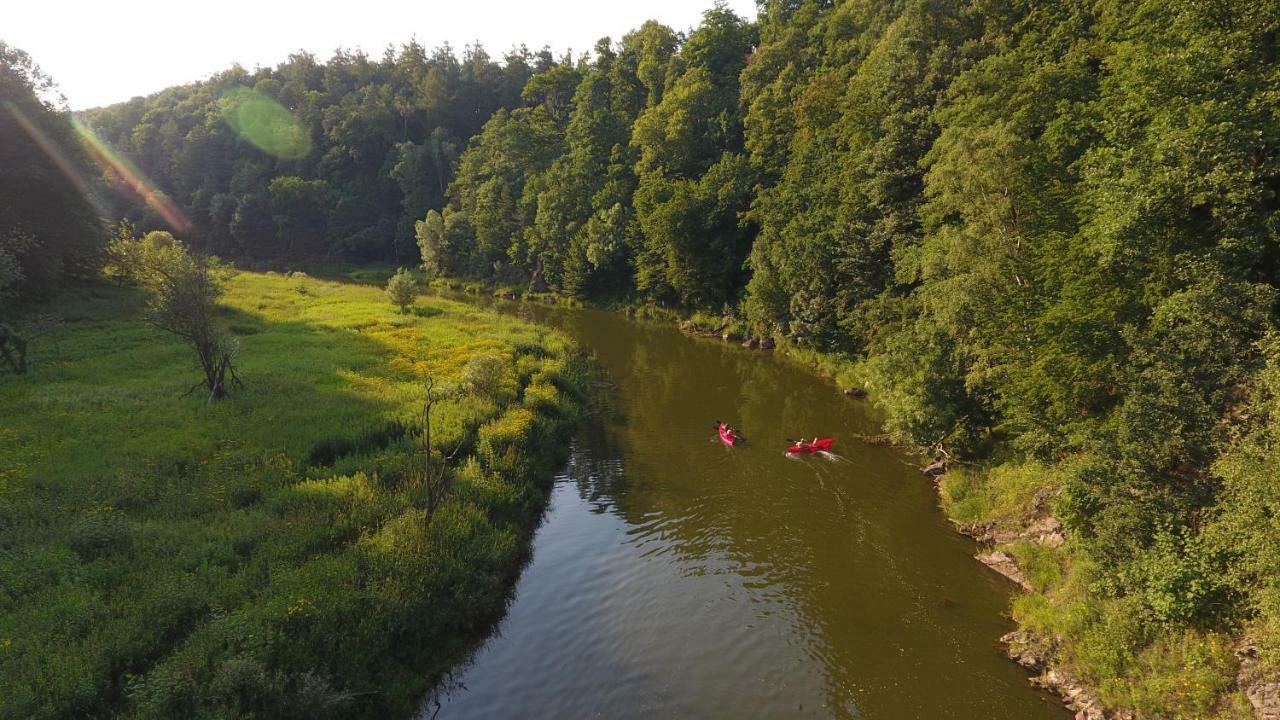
488,377
402,290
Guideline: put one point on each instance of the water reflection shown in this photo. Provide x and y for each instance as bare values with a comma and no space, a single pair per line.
676,577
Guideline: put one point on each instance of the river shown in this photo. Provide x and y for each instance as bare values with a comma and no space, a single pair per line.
675,577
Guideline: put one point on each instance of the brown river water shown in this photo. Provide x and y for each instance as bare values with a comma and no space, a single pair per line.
674,577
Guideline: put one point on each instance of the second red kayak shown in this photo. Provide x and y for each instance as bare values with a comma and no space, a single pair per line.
820,445
726,435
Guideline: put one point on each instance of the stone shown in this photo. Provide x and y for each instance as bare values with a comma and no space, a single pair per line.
1265,699
1003,563
1260,687
1046,530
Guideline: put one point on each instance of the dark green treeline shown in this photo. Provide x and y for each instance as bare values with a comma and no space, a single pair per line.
376,144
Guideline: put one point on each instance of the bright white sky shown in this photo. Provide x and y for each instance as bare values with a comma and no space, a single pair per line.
104,52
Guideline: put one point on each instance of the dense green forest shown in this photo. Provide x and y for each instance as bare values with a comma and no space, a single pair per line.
360,148
1045,234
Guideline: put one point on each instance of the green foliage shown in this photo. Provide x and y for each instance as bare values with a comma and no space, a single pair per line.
49,227
402,290
313,159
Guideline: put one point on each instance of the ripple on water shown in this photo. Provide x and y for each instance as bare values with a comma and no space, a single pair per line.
675,577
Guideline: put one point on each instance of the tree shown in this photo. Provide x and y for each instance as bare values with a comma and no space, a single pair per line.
16,338
433,243
301,211
402,290
384,135
49,226
184,288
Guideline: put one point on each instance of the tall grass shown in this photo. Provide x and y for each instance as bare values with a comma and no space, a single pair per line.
268,554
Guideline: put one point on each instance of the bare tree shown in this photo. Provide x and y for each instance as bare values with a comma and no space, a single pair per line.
434,475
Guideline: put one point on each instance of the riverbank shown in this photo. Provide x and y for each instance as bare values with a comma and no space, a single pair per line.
1098,651
1095,651
1100,654
267,554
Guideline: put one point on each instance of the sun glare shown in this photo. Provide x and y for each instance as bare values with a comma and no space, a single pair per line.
127,179
265,123
55,153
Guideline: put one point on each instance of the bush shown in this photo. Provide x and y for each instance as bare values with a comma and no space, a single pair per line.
402,290
1181,580
488,376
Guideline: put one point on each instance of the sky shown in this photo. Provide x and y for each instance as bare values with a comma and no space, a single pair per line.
105,52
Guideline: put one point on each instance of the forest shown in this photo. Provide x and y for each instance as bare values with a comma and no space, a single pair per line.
1044,237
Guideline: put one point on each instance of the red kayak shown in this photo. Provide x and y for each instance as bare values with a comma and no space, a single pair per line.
726,437
821,445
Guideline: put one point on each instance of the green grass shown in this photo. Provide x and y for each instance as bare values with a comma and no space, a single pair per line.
267,554
1003,495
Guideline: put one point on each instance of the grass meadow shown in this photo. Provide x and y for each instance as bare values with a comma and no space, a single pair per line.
267,555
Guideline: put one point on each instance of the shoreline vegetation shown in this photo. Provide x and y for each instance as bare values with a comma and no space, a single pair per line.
1007,509
267,554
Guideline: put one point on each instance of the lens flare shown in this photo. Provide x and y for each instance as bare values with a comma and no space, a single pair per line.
265,123
130,181
55,153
